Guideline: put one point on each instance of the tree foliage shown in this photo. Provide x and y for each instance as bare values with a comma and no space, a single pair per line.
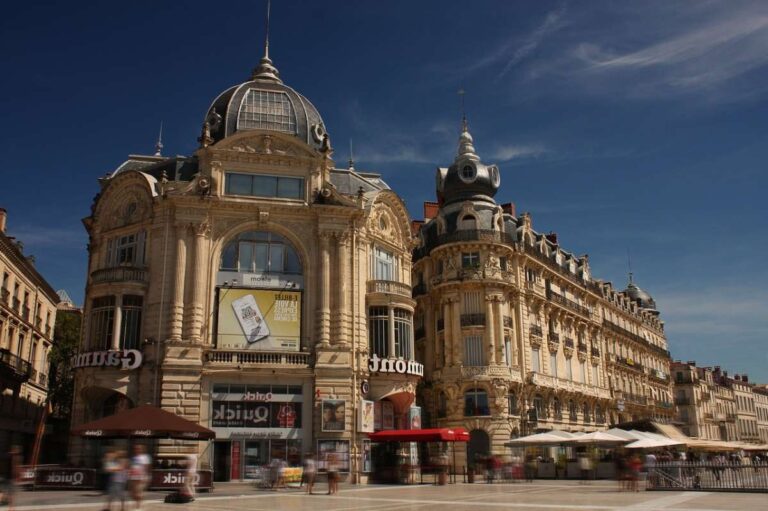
66,339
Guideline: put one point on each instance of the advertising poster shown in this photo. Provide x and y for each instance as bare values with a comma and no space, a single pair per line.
414,417
367,460
366,416
334,415
259,319
337,448
387,415
377,415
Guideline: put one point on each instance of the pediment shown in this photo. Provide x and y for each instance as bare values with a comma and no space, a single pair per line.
265,144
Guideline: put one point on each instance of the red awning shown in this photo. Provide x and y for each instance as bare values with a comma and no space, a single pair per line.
144,422
421,435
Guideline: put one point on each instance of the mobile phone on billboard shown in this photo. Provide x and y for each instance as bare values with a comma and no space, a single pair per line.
250,318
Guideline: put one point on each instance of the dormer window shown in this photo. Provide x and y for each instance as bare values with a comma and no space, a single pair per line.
468,173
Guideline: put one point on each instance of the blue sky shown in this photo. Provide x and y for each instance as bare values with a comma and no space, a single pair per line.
635,127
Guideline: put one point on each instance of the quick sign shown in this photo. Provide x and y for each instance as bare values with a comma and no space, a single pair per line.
392,365
124,359
248,414
65,478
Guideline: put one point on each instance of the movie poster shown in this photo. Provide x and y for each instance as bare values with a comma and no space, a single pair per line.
334,415
414,417
366,416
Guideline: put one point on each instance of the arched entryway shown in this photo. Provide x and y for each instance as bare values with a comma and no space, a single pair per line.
478,447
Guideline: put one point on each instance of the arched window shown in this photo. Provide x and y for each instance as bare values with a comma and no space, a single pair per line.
585,412
476,403
512,404
538,404
442,406
468,222
573,412
260,252
599,416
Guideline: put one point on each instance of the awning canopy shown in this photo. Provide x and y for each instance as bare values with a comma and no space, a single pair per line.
599,438
421,435
144,422
554,437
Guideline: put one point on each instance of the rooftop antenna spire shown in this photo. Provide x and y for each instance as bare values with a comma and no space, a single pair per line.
351,156
266,71
159,144
464,127
629,265
266,37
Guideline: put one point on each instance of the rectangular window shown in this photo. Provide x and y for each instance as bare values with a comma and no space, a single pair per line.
472,302
264,186
130,334
383,265
595,378
553,364
102,321
507,350
583,372
535,360
473,351
470,260
378,331
569,368
403,340
503,263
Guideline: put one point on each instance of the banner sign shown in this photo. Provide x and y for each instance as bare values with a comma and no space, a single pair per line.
68,478
254,414
365,424
124,359
394,365
334,417
259,319
172,479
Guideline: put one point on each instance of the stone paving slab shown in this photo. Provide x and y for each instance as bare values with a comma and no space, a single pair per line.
537,496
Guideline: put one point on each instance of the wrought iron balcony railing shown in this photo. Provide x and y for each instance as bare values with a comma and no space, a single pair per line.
391,287
120,274
476,319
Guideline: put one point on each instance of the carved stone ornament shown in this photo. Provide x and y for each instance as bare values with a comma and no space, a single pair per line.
582,356
553,347
535,341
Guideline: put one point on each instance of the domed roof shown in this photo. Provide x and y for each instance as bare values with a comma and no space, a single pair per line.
265,103
467,178
637,295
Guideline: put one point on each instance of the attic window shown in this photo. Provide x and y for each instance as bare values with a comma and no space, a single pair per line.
266,110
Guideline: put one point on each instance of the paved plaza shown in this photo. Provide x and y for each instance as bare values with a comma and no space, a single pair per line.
540,495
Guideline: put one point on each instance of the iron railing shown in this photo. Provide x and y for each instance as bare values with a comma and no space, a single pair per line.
120,274
708,476
568,304
475,319
20,367
537,331
483,235
391,287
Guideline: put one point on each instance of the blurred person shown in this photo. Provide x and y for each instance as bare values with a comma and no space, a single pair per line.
138,475
333,473
116,467
13,476
190,476
634,469
310,472
530,468
585,465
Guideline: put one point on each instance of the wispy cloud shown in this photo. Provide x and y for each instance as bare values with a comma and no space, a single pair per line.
513,152
33,236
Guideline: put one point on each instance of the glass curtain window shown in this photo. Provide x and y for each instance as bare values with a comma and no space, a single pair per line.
102,322
403,340
260,252
473,351
383,265
257,185
535,360
266,110
476,403
378,331
130,334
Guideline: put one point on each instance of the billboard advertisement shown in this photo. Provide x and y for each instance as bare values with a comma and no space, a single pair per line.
259,319
366,417
334,415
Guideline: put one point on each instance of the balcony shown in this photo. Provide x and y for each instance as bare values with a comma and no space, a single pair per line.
629,362
545,380
26,313
16,305
476,319
595,351
663,404
389,287
554,337
568,343
582,347
481,235
536,331
14,366
257,359
568,304
489,371
623,331
120,274
42,379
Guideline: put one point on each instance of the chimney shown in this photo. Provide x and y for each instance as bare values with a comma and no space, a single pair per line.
508,208
691,362
3,218
431,210
745,378
552,236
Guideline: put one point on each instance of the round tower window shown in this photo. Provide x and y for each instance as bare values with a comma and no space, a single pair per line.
468,173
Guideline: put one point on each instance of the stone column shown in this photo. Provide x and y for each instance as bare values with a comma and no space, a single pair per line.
342,314
500,348
117,322
196,280
177,301
490,330
324,292
447,334
456,348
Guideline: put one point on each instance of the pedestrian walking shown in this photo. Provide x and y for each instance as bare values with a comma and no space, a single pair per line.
333,474
585,465
116,468
138,475
310,471
190,477
13,476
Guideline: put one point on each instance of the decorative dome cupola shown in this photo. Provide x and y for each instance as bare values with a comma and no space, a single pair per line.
468,179
263,103
640,297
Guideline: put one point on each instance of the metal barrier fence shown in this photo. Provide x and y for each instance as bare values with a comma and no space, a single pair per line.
708,476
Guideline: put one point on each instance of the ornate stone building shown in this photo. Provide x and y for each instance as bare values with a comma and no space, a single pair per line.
516,334
251,287
27,315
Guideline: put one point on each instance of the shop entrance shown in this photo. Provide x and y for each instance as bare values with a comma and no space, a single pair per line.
222,459
479,446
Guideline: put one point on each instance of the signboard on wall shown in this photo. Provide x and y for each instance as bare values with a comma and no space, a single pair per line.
334,415
254,414
338,449
365,425
259,319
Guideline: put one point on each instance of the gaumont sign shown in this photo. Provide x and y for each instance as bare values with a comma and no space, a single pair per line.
65,478
124,359
394,365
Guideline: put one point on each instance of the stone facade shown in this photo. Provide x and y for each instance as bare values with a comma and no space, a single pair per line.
516,334
259,208
27,316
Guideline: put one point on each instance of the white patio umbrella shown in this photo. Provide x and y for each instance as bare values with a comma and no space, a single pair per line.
652,443
599,437
553,437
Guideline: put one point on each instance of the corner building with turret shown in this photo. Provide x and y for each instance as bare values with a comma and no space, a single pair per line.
516,334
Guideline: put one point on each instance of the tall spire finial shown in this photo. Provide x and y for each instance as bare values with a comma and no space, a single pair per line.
351,156
464,127
159,144
629,266
466,149
266,71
